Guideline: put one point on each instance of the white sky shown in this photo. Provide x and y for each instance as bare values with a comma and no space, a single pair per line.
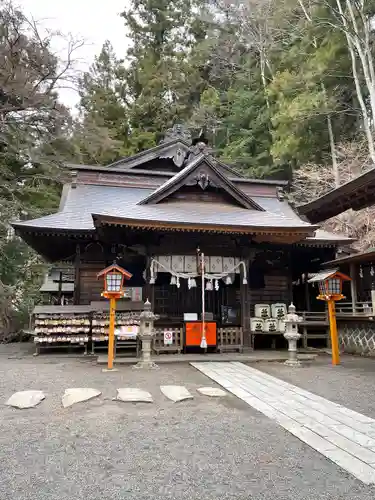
93,20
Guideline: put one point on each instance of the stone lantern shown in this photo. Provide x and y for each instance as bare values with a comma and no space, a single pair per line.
292,336
146,333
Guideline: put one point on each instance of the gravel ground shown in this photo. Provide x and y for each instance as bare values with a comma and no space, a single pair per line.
350,384
200,449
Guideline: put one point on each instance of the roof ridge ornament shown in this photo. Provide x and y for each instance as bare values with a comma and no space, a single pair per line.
200,148
178,131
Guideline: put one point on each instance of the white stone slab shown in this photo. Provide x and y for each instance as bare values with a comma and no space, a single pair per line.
359,469
176,393
354,435
309,437
77,395
213,392
342,435
133,395
25,399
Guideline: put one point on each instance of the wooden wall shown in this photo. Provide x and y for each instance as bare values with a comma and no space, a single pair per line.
90,286
277,289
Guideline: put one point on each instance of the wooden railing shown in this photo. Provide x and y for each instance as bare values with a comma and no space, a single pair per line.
360,309
314,317
343,309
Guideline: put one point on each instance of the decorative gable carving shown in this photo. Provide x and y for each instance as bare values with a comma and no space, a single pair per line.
177,132
201,172
202,180
177,152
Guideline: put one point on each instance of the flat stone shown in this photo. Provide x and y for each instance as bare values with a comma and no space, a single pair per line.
25,399
133,395
176,392
77,395
214,392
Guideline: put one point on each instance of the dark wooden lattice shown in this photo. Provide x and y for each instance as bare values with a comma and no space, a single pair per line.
177,340
230,339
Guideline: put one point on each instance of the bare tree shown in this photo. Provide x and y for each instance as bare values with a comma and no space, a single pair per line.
33,130
351,17
309,183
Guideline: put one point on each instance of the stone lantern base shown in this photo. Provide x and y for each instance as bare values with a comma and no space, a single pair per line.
146,363
293,362
292,339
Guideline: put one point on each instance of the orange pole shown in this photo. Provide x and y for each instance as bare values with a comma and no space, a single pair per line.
111,336
333,330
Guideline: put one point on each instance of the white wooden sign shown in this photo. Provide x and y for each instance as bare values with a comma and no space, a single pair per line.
168,337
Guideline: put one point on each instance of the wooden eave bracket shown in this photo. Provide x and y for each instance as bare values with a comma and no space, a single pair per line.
295,234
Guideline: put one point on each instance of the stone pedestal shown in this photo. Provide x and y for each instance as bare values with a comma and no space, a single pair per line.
146,361
146,334
292,339
292,336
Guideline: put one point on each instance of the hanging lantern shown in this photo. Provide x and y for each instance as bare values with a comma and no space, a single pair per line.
178,282
216,285
228,280
152,280
244,280
173,280
193,283
209,286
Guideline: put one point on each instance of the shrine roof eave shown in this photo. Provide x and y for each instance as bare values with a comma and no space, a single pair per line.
54,245
178,226
356,194
22,229
356,258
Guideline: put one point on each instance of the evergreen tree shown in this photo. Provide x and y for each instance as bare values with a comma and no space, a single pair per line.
102,133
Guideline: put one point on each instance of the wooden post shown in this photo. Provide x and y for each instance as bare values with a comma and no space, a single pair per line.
148,289
111,335
290,277
307,293
77,276
333,330
245,307
353,287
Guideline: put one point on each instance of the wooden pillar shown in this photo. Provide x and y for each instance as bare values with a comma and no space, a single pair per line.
77,276
307,292
290,277
353,286
245,306
148,289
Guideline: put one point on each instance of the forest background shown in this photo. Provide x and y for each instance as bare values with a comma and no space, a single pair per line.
283,89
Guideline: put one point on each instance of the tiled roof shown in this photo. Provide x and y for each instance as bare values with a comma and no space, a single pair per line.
85,200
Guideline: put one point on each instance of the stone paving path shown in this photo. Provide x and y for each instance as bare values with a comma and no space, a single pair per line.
340,434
